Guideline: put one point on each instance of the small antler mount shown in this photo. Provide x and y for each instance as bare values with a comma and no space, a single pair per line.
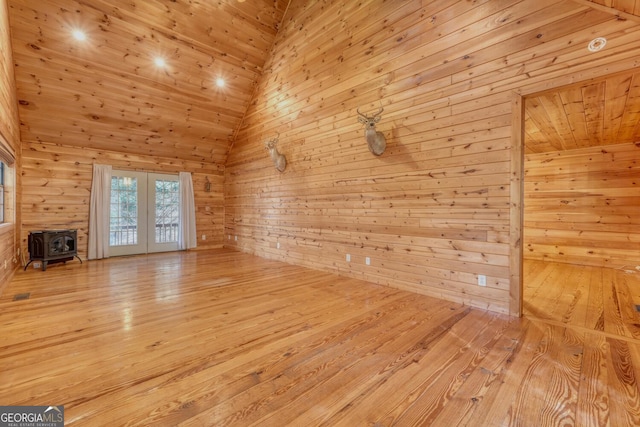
375,139
279,161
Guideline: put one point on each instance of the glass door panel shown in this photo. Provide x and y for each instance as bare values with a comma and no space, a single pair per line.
127,213
164,212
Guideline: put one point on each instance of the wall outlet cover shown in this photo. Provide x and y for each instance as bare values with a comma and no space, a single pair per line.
482,280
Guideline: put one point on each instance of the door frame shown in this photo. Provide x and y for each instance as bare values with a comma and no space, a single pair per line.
516,211
516,196
146,214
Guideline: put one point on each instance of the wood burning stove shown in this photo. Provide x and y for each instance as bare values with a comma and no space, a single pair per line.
51,246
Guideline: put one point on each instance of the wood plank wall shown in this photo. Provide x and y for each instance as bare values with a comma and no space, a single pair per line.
627,6
57,187
9,128
433,211
583,206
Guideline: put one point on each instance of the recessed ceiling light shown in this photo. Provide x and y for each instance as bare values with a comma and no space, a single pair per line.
597,44
159,62
220,82
79,35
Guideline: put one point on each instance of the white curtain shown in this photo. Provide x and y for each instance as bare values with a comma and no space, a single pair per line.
187,228
99,212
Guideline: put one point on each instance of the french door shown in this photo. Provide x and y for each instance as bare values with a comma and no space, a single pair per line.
144,213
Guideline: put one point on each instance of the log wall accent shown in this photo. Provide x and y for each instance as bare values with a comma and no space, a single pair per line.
583,206
57,187
10,136
433,211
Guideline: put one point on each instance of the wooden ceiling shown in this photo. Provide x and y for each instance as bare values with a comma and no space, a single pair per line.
631,7
107,93
602,112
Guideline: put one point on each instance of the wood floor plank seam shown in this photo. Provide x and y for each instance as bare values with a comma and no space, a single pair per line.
225,338
584,329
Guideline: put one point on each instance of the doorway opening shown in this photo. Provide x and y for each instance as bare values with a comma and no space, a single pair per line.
580,236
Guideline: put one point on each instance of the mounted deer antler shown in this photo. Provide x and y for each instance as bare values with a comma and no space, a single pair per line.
279,161
375,140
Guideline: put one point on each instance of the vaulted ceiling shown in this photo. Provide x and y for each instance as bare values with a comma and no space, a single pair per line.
107,92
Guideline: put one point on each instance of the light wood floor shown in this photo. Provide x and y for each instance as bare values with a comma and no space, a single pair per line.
223,338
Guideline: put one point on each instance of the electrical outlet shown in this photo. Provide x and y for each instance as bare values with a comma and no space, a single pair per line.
367,261
277,245
482,280
235,238
348,257
228,236
204,237
37,265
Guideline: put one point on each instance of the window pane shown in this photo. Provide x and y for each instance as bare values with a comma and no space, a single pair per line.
167,205
123,224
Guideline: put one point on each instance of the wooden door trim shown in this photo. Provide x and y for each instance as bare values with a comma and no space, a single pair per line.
516,211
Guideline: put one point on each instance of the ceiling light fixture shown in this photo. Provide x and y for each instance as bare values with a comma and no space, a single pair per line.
220,82
159,62
597,44
79,35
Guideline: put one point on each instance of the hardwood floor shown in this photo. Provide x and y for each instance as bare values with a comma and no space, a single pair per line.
583,297
223,338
